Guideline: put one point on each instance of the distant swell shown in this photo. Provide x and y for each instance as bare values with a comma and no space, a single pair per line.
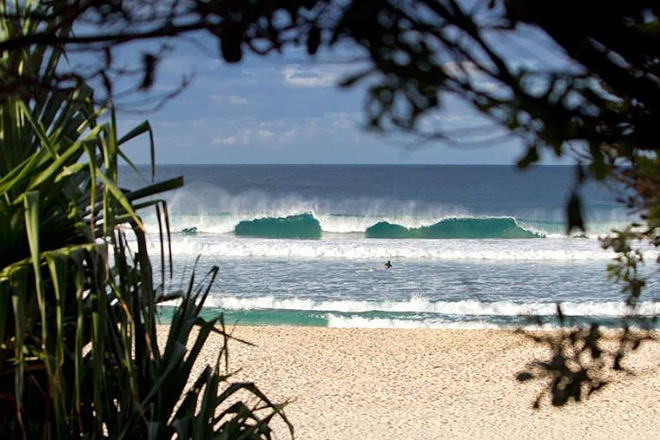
294,226
504,227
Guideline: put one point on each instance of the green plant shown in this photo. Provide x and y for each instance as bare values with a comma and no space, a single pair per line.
79,354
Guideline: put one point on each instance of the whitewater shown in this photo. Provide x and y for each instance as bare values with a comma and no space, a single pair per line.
471,246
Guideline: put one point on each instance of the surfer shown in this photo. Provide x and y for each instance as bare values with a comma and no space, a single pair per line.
387,265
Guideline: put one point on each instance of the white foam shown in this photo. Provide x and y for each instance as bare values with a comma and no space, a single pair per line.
335,321
423,305
370,249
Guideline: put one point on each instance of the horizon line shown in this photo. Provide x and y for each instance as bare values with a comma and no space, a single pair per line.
351,164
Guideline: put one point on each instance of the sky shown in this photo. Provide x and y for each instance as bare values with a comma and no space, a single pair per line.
285,109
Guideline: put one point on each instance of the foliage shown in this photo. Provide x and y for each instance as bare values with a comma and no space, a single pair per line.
79,355
583,359
598,101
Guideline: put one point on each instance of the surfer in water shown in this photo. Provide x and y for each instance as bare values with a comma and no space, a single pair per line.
387,265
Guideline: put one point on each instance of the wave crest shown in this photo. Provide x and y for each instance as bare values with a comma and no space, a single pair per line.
465,228
294,226
309,225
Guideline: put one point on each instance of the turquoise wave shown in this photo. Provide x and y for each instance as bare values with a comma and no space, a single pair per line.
494,227
307,226
378,319
294,226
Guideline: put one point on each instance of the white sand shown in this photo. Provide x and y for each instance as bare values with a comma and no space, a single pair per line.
431,384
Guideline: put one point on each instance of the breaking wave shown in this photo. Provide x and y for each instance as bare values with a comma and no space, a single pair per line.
469,227
295,226
311,226
422,305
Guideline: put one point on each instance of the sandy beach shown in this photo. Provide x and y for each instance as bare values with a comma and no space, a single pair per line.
431,384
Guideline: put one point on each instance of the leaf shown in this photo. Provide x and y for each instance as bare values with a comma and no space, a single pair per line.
313,40
20,292
524,376
574,214
230,42
599,168
353,79
149,62
560,314
156,188
531,157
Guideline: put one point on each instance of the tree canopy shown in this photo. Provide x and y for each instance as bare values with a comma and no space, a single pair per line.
600,105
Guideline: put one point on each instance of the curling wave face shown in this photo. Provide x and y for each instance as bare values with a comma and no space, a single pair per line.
295,226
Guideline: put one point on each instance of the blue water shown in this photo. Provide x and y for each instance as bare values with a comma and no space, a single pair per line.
471,246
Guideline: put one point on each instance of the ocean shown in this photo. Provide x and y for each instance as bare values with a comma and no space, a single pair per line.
470,246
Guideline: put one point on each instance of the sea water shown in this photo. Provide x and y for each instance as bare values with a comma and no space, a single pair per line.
470,246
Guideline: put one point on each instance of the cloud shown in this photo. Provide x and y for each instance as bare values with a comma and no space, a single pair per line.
242,137
266,134
302,76
231,99
278,132
248,136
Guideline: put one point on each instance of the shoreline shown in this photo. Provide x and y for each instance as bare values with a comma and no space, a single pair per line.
427,384
300,318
